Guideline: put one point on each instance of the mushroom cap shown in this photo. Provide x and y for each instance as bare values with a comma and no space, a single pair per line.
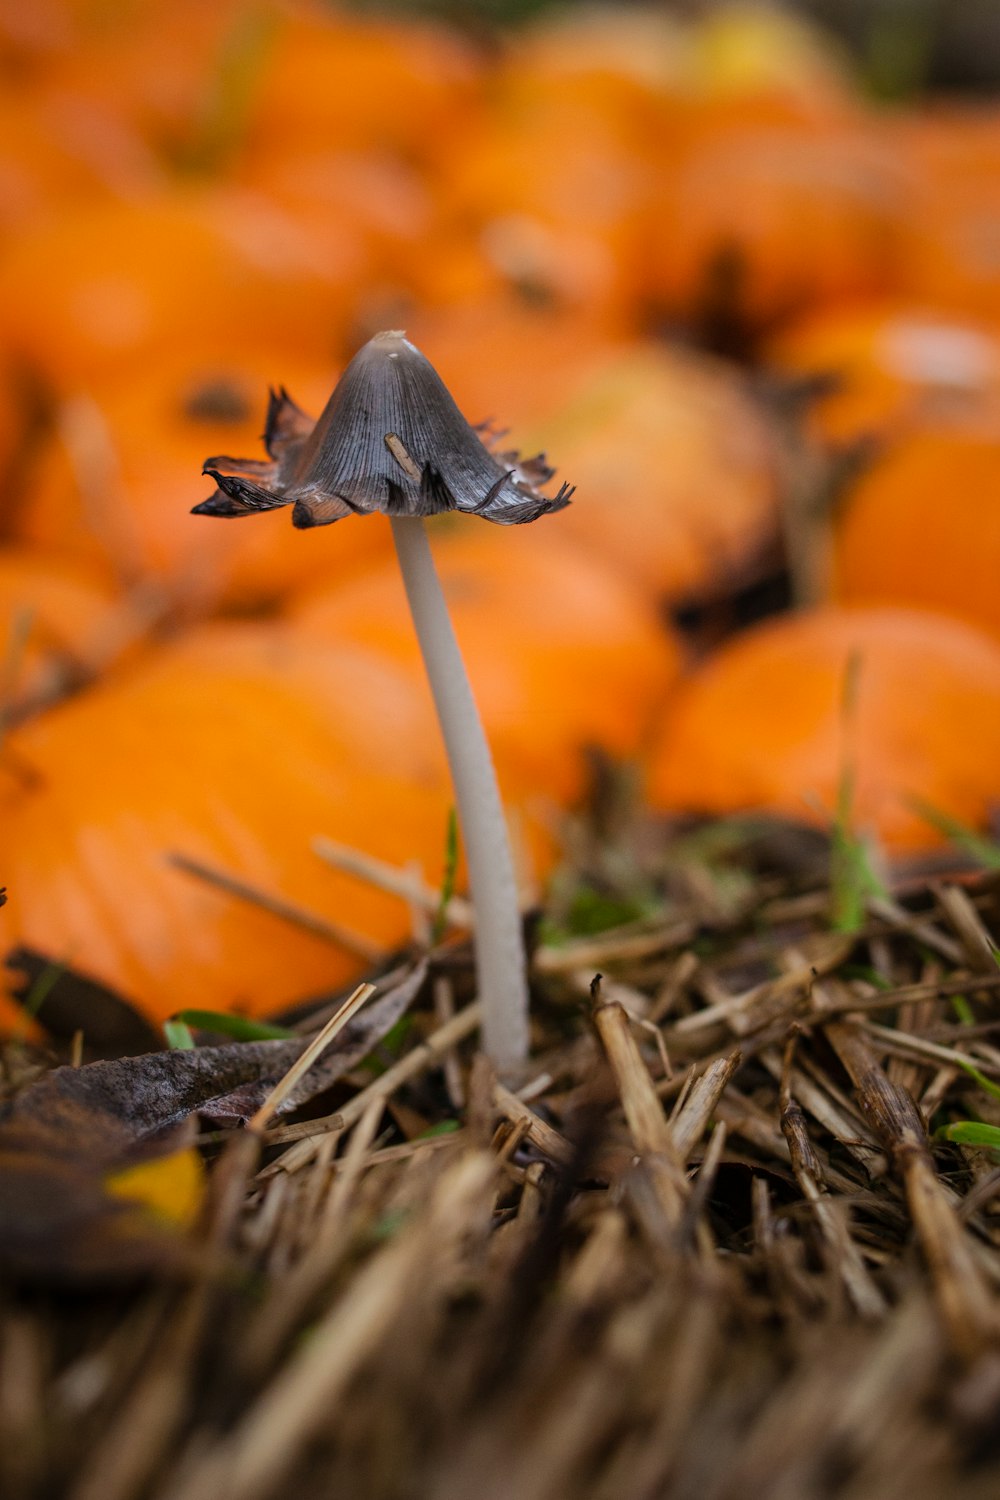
390,439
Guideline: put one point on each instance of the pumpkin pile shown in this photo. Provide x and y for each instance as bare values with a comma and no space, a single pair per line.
689,259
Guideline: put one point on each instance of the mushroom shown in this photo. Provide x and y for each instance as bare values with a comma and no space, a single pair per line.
392,440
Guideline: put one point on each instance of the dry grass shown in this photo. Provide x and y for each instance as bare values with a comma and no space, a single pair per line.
707,1250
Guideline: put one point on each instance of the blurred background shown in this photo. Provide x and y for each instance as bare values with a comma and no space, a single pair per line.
734,267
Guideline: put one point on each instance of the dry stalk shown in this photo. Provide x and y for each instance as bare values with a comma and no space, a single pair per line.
899,920
310,1054
849,1129
904,1044
533,1128
153,1411
844,1254
416,1061
406,884
691,1118
612,948
978,947
295,1292
276,906
774,999
246,1464
647,1124
967,1308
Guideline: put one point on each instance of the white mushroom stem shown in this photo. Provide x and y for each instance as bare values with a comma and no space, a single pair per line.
500,961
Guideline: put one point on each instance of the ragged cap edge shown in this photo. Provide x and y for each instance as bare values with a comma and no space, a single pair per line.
390,439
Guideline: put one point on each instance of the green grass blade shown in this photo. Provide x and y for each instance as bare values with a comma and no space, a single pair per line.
985,851
440,922
238,1027
853,881
986,1084
179,1038
971,1133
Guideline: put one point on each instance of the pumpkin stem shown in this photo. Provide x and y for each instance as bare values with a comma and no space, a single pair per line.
501,968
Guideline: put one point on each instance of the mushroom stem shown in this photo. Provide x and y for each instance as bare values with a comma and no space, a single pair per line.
500,960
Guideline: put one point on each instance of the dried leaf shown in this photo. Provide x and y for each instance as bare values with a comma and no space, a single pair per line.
96,1162
111,1026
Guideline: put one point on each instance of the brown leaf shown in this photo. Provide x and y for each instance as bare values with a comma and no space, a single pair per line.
111,1027
62,1136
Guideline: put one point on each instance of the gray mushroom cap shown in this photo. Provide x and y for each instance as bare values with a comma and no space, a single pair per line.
390,439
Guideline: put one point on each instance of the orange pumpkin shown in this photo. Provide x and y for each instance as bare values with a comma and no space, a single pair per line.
57,619
893,365
170,66
763,222
560,652
99,293
58,148
629,71
950,255
236,747
27,37
18,414
676,471
552,188
508,360
335,80
764,724
647,48
386,201
121,473
773,66
921,526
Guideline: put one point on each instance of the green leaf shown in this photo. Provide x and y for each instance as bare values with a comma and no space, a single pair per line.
389,1049
868,974
971,1133
179,1038
389,1225
591,912
443,1127
238,1027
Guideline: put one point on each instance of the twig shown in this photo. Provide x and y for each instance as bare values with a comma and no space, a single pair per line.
444,1010
250,1461
396,882
589,953
977,945
647,1123
426,1055
909,1045
545,1138
689,1121
276,906
314,1050
844,1253
935,989
966,1305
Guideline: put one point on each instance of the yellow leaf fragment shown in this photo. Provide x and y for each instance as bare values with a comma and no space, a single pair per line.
170,1187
